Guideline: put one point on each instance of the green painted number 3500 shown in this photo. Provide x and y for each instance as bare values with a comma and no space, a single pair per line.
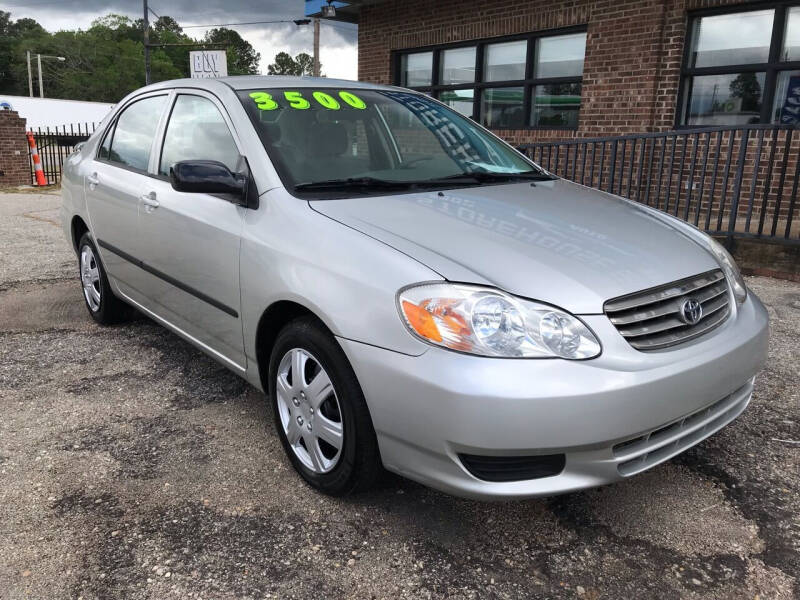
295,99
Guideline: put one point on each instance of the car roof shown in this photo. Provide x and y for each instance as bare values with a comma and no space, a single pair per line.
251,82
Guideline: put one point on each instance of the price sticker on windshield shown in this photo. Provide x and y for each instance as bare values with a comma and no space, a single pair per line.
303,100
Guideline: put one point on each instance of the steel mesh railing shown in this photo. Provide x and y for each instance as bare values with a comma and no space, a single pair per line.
737,182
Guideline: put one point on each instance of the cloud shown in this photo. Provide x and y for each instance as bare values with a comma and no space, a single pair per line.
338,52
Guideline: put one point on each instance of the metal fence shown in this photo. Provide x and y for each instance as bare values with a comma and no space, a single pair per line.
54,146
736,182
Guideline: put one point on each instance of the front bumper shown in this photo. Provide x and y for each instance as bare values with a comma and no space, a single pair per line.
428,409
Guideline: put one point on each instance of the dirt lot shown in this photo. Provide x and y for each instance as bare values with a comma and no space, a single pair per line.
131,466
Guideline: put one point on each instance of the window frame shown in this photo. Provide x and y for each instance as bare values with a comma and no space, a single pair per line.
771,68
111,130
528,83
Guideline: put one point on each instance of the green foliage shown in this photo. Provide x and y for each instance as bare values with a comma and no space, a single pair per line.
746,87
302,64
242,58
106,61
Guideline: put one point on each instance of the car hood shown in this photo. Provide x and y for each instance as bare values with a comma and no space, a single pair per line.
554,241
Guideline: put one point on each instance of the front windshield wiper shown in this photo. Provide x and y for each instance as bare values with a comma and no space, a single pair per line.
491,176
364,183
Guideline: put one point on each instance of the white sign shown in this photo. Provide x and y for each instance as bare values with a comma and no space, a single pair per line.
208,63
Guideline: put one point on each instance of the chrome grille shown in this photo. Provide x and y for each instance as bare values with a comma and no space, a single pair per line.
651,320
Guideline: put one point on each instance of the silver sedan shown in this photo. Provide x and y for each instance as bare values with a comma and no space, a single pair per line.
411,292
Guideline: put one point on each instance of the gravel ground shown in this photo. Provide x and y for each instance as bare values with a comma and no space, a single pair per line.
132,466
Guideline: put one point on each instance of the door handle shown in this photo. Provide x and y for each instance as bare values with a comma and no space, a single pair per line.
149,200
93,180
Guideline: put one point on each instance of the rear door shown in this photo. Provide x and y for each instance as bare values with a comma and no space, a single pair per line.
190,241
115,183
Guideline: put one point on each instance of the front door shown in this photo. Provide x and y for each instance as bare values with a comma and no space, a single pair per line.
191,241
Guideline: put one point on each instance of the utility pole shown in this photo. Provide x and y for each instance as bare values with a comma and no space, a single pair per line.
39,65
30,77
146,45
316,47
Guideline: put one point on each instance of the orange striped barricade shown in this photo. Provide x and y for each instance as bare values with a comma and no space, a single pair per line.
37,162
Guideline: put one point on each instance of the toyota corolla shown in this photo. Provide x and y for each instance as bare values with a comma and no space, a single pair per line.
410,291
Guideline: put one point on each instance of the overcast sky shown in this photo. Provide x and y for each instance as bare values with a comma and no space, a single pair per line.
338,40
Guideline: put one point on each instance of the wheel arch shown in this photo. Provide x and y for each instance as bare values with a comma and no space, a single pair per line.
274,318
77,228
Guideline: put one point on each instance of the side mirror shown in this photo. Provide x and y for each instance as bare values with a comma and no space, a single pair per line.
207,177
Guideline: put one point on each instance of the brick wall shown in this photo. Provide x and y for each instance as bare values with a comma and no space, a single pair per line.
14,163
634,50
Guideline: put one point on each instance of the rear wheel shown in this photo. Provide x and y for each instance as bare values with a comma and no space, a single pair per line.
103,306
320,412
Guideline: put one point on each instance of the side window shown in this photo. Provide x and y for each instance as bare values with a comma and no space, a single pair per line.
134,133
197,131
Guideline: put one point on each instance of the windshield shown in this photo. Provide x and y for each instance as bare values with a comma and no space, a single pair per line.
329,140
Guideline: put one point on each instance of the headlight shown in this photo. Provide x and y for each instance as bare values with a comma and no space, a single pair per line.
730,269
487,322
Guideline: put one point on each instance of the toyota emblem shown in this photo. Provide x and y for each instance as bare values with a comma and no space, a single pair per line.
691,311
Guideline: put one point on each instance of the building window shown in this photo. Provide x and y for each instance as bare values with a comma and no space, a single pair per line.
520,82
742,67
417,69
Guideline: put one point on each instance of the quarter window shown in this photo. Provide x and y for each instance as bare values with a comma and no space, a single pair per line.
197,131
531,81
106,145
133,134
742,67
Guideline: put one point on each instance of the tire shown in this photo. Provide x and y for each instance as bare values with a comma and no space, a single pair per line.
356,464
103,306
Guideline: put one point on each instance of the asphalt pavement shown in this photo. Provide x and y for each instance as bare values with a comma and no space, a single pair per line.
132,466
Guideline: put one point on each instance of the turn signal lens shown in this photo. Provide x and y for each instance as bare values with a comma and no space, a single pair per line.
487,322
421,321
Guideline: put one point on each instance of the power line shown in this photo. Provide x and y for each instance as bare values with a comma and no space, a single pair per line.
246,23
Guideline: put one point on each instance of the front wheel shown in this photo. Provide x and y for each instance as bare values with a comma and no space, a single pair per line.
103,306
320,412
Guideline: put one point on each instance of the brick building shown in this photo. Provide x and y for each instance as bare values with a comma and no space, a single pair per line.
536,70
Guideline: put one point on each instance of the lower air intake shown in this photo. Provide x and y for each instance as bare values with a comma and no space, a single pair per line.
513,468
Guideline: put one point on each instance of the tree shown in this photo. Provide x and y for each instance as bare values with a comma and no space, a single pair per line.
283,65
306,63
6,44
165,30
302,64
167,25
746,87
242,57
106,61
